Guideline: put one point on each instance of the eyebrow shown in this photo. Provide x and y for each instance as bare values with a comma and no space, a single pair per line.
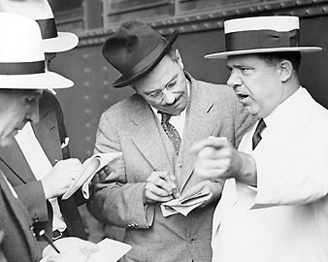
170,81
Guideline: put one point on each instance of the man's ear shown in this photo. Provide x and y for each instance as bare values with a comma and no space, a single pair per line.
179,59
286,70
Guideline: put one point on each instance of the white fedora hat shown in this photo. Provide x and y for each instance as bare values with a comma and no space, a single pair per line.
41,12
262,34
22,59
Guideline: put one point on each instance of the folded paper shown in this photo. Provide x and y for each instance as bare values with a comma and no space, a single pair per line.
193,198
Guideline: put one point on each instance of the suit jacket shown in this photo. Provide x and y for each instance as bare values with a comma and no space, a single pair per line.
131,127
285,218
18,243
51,133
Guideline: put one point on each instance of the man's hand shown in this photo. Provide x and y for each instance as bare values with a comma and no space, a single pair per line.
61,177
101,175
160,187
218,159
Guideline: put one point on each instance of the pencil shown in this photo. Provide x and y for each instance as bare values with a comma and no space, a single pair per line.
42,233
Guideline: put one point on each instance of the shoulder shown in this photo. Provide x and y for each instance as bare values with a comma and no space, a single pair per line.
123,108
215,92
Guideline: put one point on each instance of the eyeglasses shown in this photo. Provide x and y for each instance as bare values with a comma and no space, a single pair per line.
158,95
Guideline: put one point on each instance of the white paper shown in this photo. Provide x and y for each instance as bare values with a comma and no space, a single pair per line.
90,167
109,251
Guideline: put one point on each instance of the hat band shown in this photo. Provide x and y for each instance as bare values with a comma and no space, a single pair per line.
48,28
258,39
146,61
22,68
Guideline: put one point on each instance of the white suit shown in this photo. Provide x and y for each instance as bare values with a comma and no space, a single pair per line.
284,219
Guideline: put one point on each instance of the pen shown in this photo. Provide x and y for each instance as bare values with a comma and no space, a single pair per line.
42,233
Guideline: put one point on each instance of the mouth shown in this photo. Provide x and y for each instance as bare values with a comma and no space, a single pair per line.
241,96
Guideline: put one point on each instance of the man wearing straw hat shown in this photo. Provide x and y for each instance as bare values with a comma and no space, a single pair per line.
23,79
274,205
30,161
154,129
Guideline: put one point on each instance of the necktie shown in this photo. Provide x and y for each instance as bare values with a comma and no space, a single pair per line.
171,131
257,134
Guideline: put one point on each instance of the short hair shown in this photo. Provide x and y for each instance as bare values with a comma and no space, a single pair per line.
273,58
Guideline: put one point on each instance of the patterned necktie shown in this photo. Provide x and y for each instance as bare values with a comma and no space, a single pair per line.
171,131
257,134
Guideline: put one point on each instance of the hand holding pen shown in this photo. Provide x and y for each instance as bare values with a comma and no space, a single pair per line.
160,187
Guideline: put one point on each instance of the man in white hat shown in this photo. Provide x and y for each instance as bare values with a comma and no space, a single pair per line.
23,79
274,205
30,162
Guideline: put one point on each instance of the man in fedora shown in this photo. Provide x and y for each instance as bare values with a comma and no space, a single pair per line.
274,205
156,164
23,79
30,162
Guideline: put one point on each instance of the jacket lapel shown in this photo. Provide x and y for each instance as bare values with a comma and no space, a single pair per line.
145,131
20,214
201,120
21,169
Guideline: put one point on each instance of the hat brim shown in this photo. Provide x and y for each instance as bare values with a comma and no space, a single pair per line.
124,80
305,49
35,81
63,42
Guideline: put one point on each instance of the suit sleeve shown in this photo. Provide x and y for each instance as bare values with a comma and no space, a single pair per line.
116,201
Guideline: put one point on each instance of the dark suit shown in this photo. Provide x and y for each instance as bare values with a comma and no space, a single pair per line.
51,133
18,243
131,127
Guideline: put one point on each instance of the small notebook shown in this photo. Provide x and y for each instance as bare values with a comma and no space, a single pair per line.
90,167
188,201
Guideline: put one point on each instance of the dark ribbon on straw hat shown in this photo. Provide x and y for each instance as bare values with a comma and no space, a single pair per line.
258,39
48,28
22,68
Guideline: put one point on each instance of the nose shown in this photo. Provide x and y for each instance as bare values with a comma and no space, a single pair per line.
169,96
234,81
33,114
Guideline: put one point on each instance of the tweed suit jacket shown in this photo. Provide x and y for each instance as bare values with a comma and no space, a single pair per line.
18,243
131,127
51,133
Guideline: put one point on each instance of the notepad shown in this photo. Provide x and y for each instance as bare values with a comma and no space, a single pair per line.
109,250
90,167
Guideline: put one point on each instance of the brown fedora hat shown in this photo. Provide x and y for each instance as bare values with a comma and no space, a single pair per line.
135,49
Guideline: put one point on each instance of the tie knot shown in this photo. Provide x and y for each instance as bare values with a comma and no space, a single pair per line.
257,134
260,126
165,117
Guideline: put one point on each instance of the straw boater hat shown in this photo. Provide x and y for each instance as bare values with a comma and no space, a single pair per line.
22,59
134,50
265,34
41,12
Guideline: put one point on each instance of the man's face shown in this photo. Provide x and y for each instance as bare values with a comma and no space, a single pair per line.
165,87
17,107
256,84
